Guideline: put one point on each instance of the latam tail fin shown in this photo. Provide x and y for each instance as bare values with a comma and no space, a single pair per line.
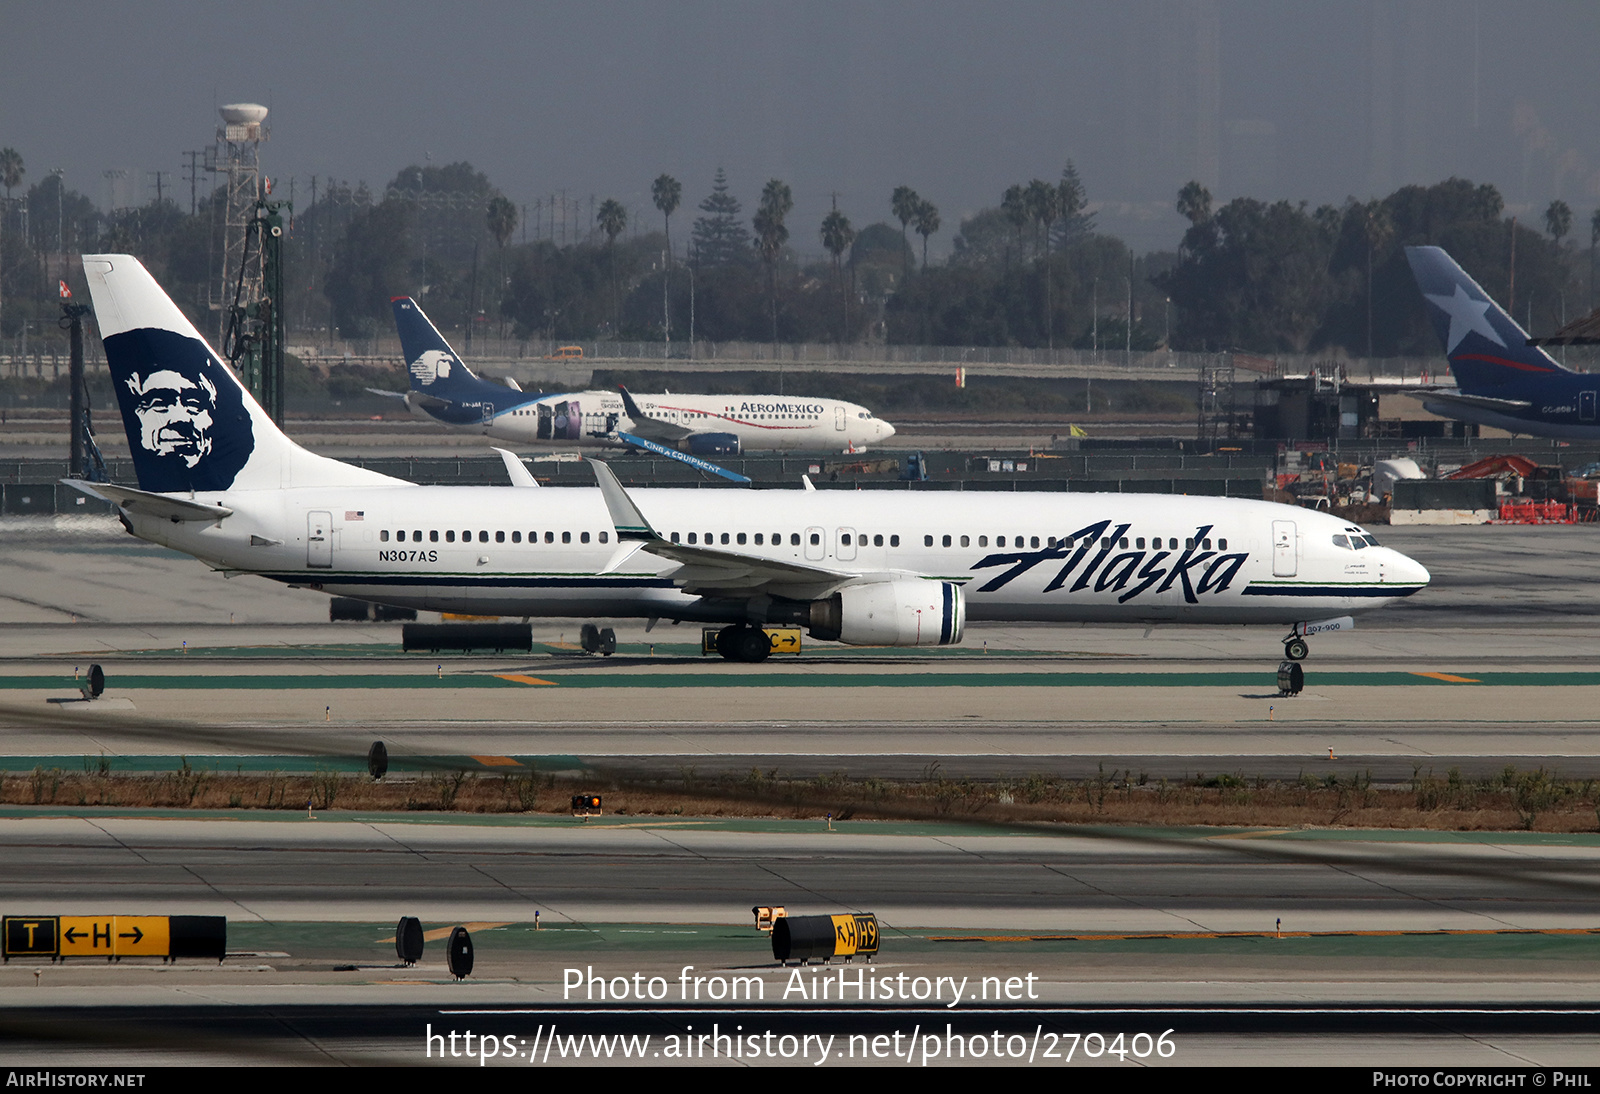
435,369
191,424
1489,353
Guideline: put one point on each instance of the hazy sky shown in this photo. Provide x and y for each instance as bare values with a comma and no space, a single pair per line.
1312,100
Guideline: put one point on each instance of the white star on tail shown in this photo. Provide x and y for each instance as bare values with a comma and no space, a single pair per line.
1466,315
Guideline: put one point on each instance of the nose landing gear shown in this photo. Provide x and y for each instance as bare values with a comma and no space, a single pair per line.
1295,648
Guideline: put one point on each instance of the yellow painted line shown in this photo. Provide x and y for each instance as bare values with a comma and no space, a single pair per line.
441,932
495,761
1251,934
531,680
1447,678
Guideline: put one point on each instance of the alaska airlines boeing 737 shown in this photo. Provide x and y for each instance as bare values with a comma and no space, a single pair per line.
219,481
445,390
1501,381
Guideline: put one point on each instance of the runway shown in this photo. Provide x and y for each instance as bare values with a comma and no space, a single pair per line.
1497,662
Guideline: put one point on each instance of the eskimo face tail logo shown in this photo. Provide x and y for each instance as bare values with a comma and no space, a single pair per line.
187,425
175,414
432,365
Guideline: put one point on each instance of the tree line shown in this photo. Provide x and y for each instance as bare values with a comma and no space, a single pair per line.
1032,270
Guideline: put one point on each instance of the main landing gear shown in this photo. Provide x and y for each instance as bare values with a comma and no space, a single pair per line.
744,643
601,640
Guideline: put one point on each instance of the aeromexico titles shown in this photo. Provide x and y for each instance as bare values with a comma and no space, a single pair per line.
219,481
445,390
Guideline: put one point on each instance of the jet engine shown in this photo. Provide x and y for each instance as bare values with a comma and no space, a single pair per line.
712,444
892,613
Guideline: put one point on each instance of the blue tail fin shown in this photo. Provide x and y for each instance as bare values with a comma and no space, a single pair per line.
435,369
1489,354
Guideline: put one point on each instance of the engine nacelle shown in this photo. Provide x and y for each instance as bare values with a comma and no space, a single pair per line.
892,613
712,444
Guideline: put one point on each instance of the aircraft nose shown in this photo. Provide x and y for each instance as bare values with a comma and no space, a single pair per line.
1408,570
885,430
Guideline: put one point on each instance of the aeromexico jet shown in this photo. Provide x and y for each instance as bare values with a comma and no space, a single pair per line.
445,390
219,481
1501,381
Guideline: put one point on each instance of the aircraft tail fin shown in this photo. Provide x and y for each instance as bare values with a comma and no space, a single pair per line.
191,424
435,369
1488,352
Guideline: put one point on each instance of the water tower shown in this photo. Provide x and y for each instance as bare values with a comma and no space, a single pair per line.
239,138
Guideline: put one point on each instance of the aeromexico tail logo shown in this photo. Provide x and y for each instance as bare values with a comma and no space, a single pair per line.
1097,557
187,425
432,366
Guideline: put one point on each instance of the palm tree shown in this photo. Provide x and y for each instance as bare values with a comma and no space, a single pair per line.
666,192
11,172
771,235
1043,203
904,202
1558,220
1014,204
1376,228
927,224
837,235
612,218
502,221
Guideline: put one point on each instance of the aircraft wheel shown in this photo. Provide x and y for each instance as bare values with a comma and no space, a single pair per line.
606,644
747,644
1296,649
589,638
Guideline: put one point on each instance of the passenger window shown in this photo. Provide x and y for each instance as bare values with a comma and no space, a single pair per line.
1222,545
433,536
549,537
739,539
966,541
1036,541
844,538
516,537
724,537
566,537
983,541
815,539
466,537
877,541
1139,543
794,539
758,539
675,537
605,537
999,541
483,537
1172,544
383,537
1105,543
692,537
499,537
1189,544
1123,543
947,541
1205,544
927,541
449,535
416,536
894,541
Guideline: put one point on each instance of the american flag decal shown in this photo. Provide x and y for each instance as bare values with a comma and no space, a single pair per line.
355,514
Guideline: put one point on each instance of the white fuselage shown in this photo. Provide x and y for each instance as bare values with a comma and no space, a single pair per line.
1046,557
761,422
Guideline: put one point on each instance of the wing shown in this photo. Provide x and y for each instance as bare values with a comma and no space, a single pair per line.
706,571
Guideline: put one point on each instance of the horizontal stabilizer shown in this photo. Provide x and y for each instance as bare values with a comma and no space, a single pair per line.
147,504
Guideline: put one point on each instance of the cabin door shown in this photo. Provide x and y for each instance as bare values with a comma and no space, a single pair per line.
319,539
1283,548
1586,406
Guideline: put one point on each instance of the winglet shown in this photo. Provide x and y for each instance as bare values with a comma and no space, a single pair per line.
516,470
625,516
630,406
